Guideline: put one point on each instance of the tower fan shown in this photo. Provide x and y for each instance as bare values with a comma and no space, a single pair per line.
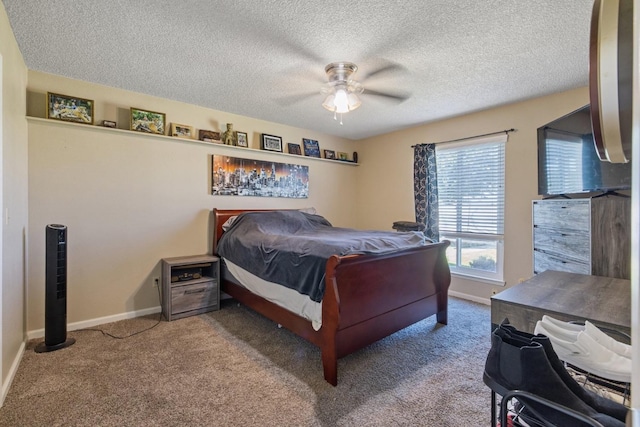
55,313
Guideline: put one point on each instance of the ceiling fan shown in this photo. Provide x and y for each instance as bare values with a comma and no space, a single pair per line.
342,89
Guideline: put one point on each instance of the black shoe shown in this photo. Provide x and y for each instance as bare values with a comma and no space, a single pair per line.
513,364
599,403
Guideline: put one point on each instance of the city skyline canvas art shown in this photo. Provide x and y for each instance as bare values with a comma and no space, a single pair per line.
233,176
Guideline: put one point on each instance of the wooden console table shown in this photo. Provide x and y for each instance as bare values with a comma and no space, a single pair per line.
604,301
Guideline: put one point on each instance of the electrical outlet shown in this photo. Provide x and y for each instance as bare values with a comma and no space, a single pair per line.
155,282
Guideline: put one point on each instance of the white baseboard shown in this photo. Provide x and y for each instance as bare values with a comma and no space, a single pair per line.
39,333
485,301
12,373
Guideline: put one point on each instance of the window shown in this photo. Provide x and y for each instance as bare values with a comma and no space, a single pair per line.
471,205
564,163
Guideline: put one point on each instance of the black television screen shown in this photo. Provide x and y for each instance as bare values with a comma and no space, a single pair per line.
568,162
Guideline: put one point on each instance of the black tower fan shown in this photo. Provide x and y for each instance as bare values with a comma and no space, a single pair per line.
55,312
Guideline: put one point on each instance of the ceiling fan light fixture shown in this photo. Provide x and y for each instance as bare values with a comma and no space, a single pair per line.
341,101
342,90
329,102
354,101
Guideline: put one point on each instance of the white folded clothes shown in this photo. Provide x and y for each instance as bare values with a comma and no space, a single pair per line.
594,332
582,351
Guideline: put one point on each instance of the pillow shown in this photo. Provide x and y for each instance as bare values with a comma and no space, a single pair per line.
228,223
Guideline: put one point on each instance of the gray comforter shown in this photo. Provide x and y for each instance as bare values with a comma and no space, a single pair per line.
292,247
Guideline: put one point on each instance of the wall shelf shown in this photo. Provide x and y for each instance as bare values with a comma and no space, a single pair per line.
98,128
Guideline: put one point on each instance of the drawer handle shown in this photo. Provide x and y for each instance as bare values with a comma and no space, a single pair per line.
194,291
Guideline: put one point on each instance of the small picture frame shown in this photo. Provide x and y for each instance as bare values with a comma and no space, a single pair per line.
109,124
294,148
342,156
181,131
329,154
69,108
147,121
271,143
311,147
209,136
242,140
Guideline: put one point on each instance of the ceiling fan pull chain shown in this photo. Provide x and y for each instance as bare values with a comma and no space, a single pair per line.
340,118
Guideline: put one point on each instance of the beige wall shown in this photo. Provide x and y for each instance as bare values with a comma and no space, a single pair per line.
385,192
130,199
13,140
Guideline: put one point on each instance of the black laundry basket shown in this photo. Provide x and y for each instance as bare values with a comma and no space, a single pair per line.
407,226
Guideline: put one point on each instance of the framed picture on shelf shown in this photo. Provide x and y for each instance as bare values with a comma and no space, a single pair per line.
271,143
311,147
342,156
329,154
181,131
147,121
209,136
69,108
243,141
294,148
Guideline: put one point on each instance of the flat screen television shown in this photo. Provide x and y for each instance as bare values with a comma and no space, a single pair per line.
568,162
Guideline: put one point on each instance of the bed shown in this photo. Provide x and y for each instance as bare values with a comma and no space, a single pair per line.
366,296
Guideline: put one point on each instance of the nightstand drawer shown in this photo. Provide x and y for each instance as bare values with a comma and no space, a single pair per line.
192,297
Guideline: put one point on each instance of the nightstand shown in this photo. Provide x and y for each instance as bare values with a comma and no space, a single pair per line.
190,285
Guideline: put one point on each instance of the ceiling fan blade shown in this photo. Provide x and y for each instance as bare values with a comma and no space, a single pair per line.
400,97
256,28
392,67
294,99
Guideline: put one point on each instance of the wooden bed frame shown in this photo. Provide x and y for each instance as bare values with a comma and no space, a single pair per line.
367,297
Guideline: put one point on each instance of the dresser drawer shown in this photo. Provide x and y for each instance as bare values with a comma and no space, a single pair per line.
543,261
194,296
562,214
574,245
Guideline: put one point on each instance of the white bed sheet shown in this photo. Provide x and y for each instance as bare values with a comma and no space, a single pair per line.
287,298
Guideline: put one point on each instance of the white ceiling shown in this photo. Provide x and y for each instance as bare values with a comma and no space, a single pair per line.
256,57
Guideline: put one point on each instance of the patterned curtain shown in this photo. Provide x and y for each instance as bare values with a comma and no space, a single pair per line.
425,189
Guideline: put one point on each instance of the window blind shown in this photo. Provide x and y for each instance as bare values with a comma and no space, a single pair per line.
471,186
564,163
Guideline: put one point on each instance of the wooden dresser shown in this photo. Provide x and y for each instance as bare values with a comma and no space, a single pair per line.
588,236
604,301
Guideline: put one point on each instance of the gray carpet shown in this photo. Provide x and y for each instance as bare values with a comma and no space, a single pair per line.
233,367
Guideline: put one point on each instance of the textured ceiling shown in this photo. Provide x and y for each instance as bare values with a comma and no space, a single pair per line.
258,58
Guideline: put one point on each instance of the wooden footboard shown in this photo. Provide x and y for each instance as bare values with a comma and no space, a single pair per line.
367,297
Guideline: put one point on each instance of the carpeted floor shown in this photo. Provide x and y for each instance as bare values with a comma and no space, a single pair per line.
233,367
